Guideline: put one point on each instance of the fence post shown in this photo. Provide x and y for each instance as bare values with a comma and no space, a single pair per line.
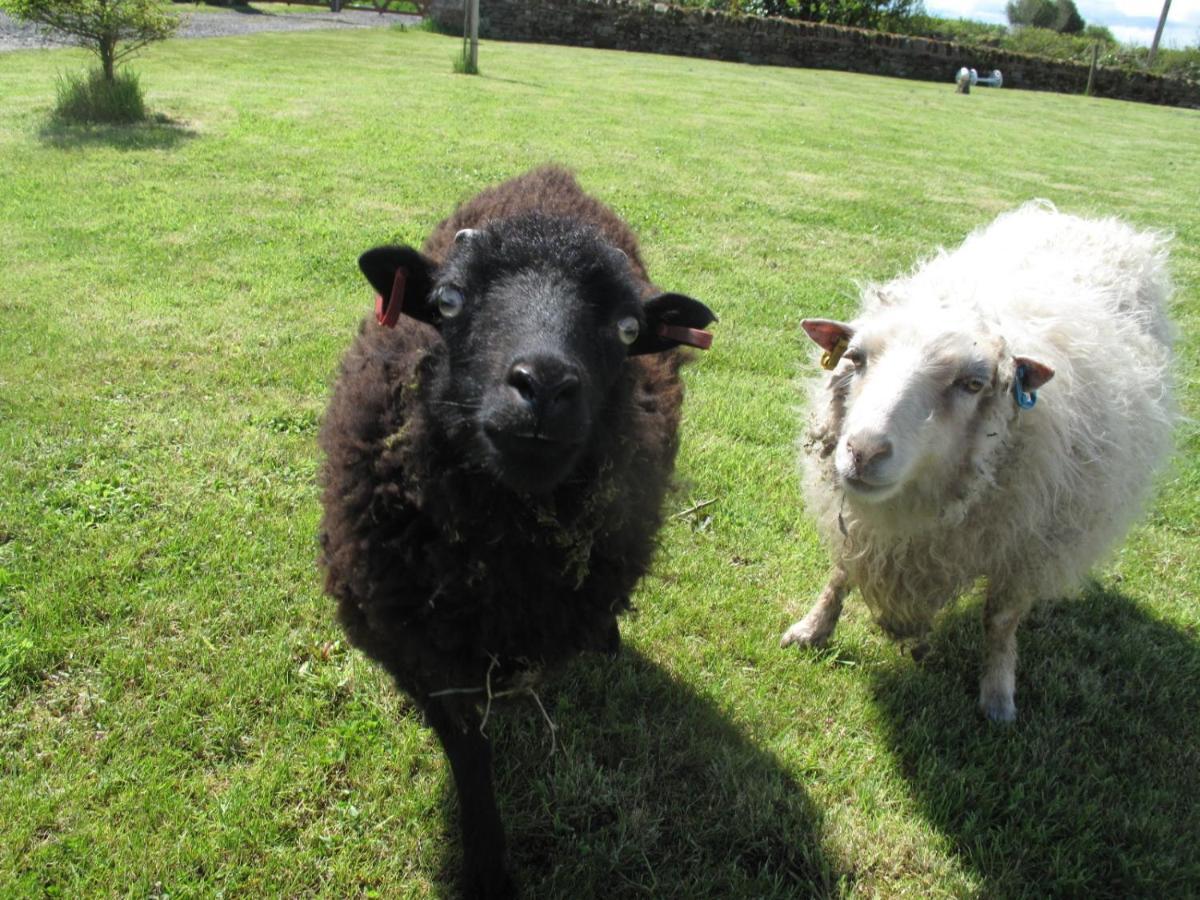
1162,20
474,59
1092,71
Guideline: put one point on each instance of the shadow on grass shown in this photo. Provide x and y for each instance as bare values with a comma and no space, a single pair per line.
159,132
496,78
1096,790
651,792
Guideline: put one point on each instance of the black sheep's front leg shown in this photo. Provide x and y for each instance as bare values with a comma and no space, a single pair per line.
612,640
470,755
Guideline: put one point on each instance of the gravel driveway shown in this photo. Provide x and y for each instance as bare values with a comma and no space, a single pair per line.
16,35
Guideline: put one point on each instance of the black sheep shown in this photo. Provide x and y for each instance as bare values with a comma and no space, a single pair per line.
496,462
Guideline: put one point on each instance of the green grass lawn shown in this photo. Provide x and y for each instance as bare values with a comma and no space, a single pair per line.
179,714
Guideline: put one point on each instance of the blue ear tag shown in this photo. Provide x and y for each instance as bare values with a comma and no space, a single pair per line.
1025,399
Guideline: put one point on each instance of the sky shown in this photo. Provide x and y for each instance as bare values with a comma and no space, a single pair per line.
1128,20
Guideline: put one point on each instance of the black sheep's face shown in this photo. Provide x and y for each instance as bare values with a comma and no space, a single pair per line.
538,318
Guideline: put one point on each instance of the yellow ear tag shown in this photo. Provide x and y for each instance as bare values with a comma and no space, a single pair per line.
830,358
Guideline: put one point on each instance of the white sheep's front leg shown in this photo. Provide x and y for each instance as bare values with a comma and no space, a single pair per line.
816,627
999,680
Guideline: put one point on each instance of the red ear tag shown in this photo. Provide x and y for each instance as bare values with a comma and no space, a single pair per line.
693,337
388,314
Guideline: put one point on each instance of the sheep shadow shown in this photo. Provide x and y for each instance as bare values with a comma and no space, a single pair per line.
1094,791
651,791
160,132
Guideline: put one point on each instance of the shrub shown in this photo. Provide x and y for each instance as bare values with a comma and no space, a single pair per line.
962,31
1099,33
1174,63
95,98
889,15
1049,43
461,62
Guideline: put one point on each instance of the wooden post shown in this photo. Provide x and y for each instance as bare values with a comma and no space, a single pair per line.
1162,20
473,61
1092,71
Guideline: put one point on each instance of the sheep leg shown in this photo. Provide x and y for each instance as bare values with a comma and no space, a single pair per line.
612,640
999,680
470,756
816,627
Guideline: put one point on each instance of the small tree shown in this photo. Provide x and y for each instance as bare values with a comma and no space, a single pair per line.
112,29
1067,19
1034,13
1056,15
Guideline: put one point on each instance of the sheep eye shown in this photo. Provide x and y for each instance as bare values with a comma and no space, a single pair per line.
627,330
857,358
449,301
972,385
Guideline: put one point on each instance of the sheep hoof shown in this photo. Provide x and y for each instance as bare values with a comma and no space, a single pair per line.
805,634
999,708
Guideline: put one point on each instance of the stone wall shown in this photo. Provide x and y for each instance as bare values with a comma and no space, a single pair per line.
660,28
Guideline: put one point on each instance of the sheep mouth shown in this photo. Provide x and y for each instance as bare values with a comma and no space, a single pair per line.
864,488
531,463
528,442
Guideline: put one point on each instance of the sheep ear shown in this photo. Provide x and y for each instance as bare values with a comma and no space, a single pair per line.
671,320
831,336
1036,373
402,279
827,333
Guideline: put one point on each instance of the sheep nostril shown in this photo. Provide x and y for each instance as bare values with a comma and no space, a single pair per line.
547,385
868,452
522,378
565,391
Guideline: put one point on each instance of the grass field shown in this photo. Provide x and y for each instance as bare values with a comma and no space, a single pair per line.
178,712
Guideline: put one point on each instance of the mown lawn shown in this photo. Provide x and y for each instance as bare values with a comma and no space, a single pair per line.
178,713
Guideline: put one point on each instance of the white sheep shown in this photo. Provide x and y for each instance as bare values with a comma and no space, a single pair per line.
925,463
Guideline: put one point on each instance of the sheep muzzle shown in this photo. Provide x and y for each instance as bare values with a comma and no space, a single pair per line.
535,421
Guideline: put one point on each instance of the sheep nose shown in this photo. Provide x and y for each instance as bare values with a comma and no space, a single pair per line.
868,451
545,384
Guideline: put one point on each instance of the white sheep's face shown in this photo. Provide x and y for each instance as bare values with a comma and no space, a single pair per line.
914,400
